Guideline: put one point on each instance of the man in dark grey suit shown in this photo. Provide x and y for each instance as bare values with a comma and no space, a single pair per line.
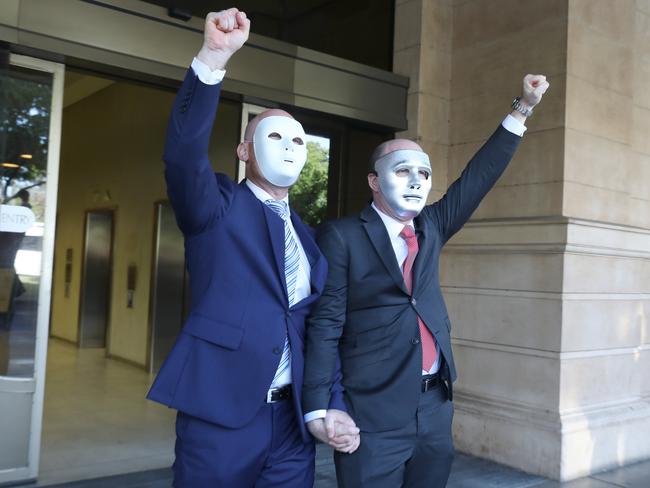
383,309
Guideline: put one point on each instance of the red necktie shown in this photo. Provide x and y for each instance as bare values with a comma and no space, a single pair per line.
428,342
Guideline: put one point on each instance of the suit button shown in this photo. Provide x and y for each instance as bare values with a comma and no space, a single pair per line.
415,340
277,350
288,314
413,301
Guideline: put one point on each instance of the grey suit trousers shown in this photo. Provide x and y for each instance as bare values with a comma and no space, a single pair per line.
418,455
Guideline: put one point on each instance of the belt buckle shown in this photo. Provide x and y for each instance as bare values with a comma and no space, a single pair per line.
281,394
429,383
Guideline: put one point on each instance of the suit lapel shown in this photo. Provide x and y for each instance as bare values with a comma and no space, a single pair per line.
275,228
379,239
424,249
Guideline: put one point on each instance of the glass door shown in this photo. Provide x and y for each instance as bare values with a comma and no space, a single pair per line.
31,92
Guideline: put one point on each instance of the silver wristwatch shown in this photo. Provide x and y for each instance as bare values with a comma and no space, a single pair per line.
516,105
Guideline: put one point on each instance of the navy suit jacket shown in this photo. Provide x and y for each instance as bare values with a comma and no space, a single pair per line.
367,313
228,351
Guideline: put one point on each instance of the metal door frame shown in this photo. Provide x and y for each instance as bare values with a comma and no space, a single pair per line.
247,109
36,384
153,278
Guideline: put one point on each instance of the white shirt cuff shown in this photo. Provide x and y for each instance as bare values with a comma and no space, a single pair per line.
513,125
316,414
205,74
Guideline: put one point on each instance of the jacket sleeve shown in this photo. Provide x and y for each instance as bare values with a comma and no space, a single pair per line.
321,386
195,193
336,391
479,176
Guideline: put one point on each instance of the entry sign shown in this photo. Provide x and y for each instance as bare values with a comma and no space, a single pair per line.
15,218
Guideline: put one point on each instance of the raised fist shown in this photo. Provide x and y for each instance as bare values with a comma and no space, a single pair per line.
224,33
534,88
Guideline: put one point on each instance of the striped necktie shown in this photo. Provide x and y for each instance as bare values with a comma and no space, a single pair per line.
291,265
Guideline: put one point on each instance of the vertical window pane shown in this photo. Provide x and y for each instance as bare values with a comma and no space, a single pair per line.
25,102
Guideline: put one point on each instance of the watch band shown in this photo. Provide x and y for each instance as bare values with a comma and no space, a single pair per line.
525,111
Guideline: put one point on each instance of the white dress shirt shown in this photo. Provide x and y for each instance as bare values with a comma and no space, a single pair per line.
205,74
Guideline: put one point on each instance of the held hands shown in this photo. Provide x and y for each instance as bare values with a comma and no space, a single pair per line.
224,33
534,88
337,429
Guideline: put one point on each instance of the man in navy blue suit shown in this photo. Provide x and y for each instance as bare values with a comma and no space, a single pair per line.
382,309
235,372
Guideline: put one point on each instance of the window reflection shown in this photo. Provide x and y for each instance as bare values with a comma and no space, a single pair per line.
25,100
309,194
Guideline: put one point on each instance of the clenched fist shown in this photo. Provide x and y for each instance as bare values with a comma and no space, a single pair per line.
534,88
224,33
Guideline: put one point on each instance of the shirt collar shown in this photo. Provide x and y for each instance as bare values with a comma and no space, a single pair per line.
262,195
394,227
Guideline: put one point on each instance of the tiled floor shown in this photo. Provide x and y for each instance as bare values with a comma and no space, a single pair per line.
96,420
97,424
467,472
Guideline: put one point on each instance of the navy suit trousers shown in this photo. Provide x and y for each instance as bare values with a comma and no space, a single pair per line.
268,452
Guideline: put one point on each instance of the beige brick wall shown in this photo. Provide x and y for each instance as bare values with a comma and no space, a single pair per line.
607,164
422,51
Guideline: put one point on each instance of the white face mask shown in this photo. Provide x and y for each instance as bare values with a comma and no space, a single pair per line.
280,149
405,181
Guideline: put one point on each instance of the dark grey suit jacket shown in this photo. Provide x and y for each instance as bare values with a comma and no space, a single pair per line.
368,314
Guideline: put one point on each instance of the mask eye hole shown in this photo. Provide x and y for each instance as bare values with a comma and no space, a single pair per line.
298,140
402,172
424,174
275,136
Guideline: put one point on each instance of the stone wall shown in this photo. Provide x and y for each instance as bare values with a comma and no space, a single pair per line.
548,286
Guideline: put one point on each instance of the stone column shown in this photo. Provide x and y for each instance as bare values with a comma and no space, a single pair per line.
422,51
548,287
605,355
502,275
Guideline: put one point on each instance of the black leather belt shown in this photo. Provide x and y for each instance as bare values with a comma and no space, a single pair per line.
275,395
431,381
